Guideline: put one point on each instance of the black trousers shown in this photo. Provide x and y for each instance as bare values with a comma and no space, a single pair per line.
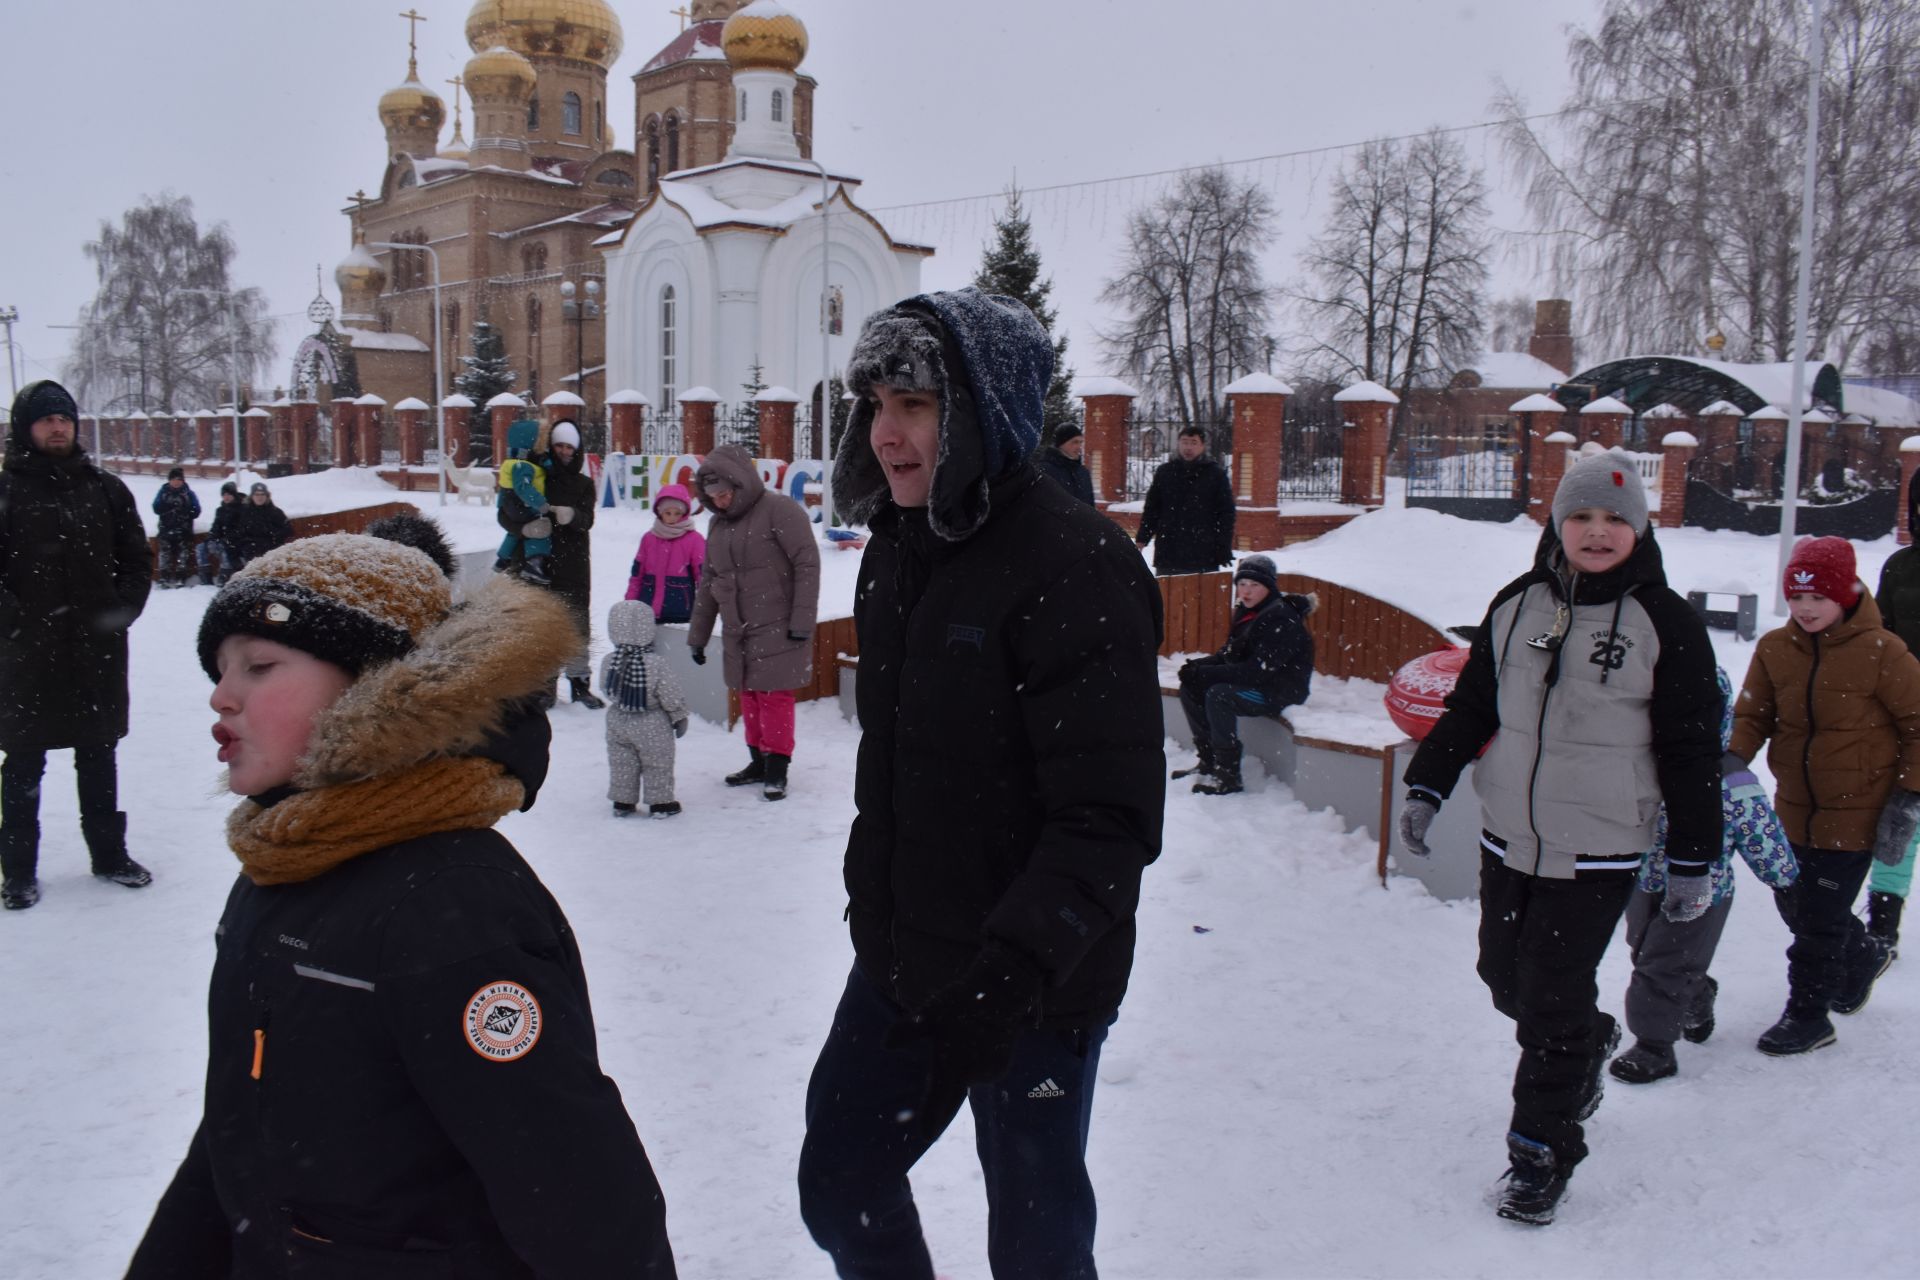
98,782
1828,939
1213,714
1540,946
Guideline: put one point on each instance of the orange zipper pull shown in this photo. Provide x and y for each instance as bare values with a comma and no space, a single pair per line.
259,1050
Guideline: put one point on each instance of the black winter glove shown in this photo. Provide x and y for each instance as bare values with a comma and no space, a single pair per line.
967,1029
796,636
699,656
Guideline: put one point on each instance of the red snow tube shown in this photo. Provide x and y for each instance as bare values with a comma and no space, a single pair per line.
1417,694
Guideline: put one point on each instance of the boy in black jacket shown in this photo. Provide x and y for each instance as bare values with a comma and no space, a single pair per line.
177,508
1265,666
402,1076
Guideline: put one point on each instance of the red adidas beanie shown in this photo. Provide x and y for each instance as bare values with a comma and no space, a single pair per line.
1824,566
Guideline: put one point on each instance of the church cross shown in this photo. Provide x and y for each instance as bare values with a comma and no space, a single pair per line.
414,19
682,14
457,82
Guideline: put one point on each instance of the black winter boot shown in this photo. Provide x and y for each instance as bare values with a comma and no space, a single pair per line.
1224,778
1203,766
17,893
776,784
536,570
1647,1061
106,838
669,809
1609,1040
583,693
1535,1182
1699,1023
1883,917
753,773
623,810
1862,974
1798,1031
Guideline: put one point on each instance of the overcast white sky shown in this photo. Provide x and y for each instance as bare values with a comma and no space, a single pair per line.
263,113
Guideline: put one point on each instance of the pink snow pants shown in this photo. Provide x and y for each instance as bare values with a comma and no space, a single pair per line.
769,720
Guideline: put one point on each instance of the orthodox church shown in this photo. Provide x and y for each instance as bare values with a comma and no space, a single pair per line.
606,268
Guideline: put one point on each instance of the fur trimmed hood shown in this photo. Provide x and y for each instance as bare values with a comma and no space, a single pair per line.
446,697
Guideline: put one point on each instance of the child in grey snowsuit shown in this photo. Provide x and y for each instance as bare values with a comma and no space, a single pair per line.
1670,995
646,711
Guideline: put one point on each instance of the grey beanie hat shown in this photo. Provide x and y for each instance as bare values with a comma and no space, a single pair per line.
1605,480
1260,569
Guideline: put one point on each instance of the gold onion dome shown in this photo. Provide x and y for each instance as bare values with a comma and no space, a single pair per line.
583,29
456,148
499,73
764,36
411,105
360,270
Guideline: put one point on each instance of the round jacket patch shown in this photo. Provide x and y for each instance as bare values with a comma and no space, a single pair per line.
502,1021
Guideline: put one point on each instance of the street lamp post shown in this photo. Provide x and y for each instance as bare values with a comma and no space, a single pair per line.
233,332
10,316
580,312
826,358
439,373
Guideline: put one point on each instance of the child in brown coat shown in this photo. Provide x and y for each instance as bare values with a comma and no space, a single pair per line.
1839,697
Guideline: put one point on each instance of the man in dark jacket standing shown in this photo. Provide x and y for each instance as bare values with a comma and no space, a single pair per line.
1189,508
1265,666
74,574
177,508
1008,796
571,497
1061,460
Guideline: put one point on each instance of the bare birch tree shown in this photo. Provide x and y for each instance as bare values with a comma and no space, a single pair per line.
1194,303
1672,202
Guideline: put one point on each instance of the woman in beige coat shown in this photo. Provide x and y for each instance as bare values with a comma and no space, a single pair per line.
762,575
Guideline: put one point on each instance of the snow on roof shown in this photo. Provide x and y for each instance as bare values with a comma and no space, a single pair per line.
607,214
412,404
699,395
766,9
1818,417
457,401
431,167
1100,385
629,396
1723,408
1514,369
1538,402
504,399
205,413
1772,413
1606,404
1771,382
1664,411
524,173
1366,393
565,400
138,415
256,412
701,41
1886,408
1559,437
589,371
1680,439
1910,445
705,209
371,399
1258,384
804,168
776,395
374,340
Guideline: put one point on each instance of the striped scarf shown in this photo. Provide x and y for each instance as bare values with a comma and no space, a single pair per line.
627,677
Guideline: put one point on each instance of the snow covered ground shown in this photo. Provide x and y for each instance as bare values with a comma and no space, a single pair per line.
1306,1080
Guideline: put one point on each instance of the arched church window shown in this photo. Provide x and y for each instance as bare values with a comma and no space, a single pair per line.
533,112
673,141
653,152
599,119
669,382
743,105
617,178
570,114
778,109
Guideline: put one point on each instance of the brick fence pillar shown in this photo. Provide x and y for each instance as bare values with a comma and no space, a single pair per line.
563,406
1106,419
280,433
346,424
1259,405
696,421
411,415
459,411
1604,420
303,422
1770,449
1367,408
502,412
370,419
255,422
626,421
1541,416
1677,449
1909,463
777,406
1554,450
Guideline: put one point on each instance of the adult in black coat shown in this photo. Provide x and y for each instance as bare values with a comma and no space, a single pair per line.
1061,460
75,570
1008,795
572,499
1189,510
1265,666
259,526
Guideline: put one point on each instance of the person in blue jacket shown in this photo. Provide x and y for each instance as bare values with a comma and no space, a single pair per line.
178,508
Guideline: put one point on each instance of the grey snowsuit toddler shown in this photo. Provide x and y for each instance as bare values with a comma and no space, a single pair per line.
646,710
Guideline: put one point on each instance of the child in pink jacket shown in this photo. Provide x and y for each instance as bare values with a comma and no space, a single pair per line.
666,572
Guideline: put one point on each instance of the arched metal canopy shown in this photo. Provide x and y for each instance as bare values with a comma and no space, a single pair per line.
1691,385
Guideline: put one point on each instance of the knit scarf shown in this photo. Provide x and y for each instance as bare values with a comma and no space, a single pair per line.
627,677
311,832
661,529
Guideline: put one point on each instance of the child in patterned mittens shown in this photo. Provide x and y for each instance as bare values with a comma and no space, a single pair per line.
646,712
1670,995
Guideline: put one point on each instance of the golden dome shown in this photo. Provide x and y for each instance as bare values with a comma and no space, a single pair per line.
411,105
582,29
359,270
764,36
456,148
499,73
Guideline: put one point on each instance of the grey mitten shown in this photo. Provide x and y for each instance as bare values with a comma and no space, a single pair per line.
1688,898
679,728
541,528
563,514
1898,821
1416,815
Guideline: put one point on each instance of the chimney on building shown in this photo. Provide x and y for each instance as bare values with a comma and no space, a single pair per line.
1552,339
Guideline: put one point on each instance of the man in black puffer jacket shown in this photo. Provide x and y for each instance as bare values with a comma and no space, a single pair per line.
1008,796
1062,461
1189,510
1265,666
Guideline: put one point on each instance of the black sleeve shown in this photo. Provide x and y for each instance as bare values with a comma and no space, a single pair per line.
1686,731
1224,512
132,557
1884,596
539,1123
189,1238
1150,509
1473,710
